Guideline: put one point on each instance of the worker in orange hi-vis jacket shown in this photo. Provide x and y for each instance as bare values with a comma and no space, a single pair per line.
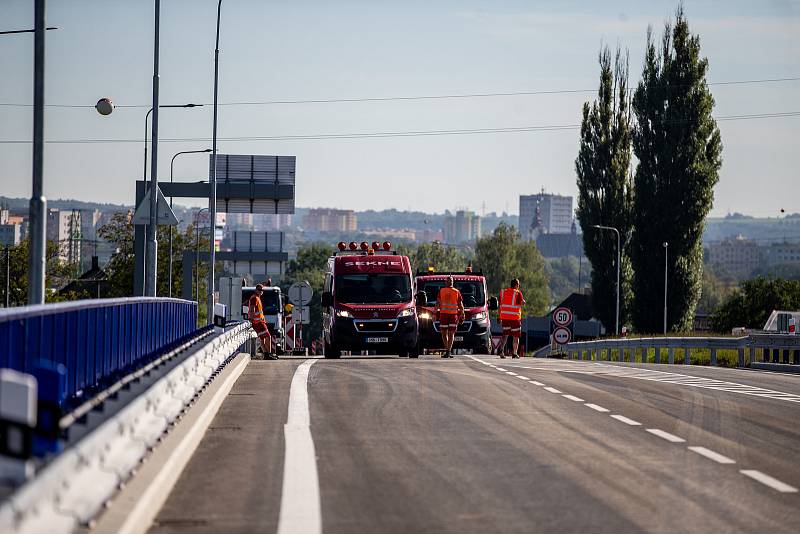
450,310
255,312
511,303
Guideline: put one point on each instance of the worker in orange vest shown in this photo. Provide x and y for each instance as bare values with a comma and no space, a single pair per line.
450,312
255,312
511,303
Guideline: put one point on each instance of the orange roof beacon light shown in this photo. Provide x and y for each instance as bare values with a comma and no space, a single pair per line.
341,246
371,252
387,245
468,270
353,245
431,269
364,246
376,245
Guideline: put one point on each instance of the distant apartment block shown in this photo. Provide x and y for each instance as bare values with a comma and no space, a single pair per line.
463,227
555,213
10,234
778,253
330,220
64,227
737,255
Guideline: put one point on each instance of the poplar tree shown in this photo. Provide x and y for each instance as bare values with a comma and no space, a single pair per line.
605,195
678,146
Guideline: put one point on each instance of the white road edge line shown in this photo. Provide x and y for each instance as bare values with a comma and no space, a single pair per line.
153,498
666,435
552,390
596,408
767,480
300,500
626,420
573,398
711,455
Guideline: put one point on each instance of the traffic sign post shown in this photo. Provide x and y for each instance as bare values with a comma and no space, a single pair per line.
300,295
561,321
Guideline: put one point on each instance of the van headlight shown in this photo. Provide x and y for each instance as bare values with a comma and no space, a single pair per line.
408,312
479,317
343,313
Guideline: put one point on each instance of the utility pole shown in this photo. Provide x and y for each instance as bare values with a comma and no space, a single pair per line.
152,228
38,203
212,198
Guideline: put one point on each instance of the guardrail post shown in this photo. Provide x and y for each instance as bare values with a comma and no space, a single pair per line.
687,356
796,359
657,357
741,357
786,356
713,356
671,355
776,355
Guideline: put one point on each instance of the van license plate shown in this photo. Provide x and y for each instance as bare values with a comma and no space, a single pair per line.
377,340
458,338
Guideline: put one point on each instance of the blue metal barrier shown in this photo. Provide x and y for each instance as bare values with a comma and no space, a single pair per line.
93,341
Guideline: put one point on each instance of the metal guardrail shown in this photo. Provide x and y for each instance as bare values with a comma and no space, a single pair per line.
90,343
773,348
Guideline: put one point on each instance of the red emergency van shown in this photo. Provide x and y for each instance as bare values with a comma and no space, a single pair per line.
369,302
474,333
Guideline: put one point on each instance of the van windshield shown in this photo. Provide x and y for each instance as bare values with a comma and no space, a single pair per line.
471,291
373,288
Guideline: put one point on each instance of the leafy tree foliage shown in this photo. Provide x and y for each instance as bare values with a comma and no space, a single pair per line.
502,256
605,195
717,286
440,257
678,145
309,266
56,274
751,305
565,276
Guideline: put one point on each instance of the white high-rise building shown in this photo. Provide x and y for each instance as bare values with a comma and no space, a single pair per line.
555,212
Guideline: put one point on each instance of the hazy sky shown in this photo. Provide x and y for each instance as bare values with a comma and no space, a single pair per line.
303,50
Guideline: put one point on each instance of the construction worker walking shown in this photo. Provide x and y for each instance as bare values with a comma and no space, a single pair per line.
511,303
255,312
450,312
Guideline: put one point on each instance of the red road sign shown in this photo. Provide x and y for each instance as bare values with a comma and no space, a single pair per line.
562,335
562,316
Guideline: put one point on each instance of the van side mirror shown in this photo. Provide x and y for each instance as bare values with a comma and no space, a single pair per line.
327,299
422,298
493,303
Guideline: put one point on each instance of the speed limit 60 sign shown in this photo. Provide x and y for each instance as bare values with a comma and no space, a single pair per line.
562,316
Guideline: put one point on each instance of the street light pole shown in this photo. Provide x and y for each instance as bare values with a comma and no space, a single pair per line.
212,198
152,241
666,255
38,203
619,257
171,172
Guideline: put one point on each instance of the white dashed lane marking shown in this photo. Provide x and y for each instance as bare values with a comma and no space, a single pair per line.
511,373
535,383
626,420
522,377
767,480
552,390
665,435
596,407
573,398
711,455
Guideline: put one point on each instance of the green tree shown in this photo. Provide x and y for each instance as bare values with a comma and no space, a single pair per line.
605,195
309,265
56,273
751,305
678,145
717,286
502,256
565,276
440,257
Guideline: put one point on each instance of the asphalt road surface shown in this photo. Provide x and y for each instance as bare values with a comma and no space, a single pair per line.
490,445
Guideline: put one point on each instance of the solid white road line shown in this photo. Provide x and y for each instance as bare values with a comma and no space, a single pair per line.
535,383
626,420
596,407
711,455
573,398
665,435
300,500
552,390
767,480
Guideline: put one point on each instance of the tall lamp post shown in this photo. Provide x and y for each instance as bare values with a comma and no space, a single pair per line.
171,173
212,194
151,266
146,122
666,255
619,256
